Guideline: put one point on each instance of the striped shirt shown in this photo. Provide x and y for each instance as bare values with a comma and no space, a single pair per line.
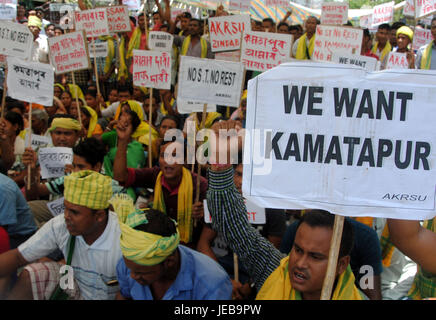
229,217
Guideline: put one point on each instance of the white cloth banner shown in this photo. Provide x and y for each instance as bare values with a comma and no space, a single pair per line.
409,8
397,60
30,81
160,41
255,214
152,69
383,13
53,160
338,138
15,40
335,13
94,22
118,19
226,31
367,63
210,81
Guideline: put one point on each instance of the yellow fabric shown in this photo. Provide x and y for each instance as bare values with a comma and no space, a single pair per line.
210,118
184,203
134,106
138,246
187,42
89,189
406,31
134,42
60,86
384,52
65,123
278,286
244,95
34,21
141,133
301,49
111,52
162,107
122,70
426,57
75,90
92,121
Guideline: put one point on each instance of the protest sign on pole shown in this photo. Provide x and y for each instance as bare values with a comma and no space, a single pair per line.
335,39
239,5
53,160
334,13
160,41
409,8
101,50
361,141
151,69
94,22
277,3
368,63
69,52
118,19
225,31
133,5
262,51
8,11
366,21
38,141
255,214
56,207
210,81
383,13
421,37
15,40
424,8
188,107
397,60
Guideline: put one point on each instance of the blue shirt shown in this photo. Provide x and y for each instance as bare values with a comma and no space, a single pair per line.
15,213
199,278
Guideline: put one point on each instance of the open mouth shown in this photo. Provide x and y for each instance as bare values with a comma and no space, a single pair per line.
299,277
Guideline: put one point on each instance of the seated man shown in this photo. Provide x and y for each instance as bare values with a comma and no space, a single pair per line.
96,250
155,267
277,276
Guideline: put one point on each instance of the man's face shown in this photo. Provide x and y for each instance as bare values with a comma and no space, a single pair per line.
141,23
393,37
21,10
58,32
283,29
35,31
308,259
311,25
91,101
156,19
79,164
237,178
267,26
402,41
64,137
184,23
170,171
66,99
50,31
79,220
124,96
194,28
40,14
144,275
382,36
113,96
154,105
166,125
38,125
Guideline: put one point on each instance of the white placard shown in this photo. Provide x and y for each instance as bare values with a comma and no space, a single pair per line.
118,19
226,31
160,41
228,55
94,22
383,13
53,161
421,37
341,139
366,21
340,40
187,107
30,81
69,52
239,5
277,3
334,13
38,141
101,49
8,11
15,40
56,207
152,69
262,51
210,81
409,8
424,8
177,11
255,214
397,60
367,63
133,5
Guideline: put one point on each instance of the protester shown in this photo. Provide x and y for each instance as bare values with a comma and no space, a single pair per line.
268,25
382,47
393,34
302,49
424,56
40,44
194,45
404,44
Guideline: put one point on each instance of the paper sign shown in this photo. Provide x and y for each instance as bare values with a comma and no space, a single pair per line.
8,1
133,5
334,13
277,3
68,52
187,107
255,214
340,40
239,5
94,22
160,41
397,60
226,32
30,81
409,8
424,8
338,138
421,37
38,141
15,40
8,11
53,161
152,69
383,13
367,63
58,10
118,19
262,51
366,21
210,81
101,49
56,207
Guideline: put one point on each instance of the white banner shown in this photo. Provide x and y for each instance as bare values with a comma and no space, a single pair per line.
424,8
152,69
421,37
56,207
210,81
101,49
334,13
367,63
262,51
339,40
160,41
383,13
226,31
8,11
30,81
15,40
341,139
133,4
68,52
53,161
37,141
397,60
94,22
118,19
239,5
255,214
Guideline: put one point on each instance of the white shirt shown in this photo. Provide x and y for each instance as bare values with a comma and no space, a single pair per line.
40,50
94,265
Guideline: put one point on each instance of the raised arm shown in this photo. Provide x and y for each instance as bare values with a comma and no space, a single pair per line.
124,131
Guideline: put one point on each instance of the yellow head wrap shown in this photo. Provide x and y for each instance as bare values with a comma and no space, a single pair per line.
406,31
89,189
34,21
65,123
141,247
60,86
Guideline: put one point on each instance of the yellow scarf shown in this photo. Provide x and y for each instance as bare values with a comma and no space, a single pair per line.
92,121
426,57
278,286
184,203
210,118
134,42
111,52
162,107
187,42
134,106
75,90
122,70
385,50
302,48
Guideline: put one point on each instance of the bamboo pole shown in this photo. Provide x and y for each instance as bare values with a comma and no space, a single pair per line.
235,267
95,68
150,116
5,89
77,98
29,145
